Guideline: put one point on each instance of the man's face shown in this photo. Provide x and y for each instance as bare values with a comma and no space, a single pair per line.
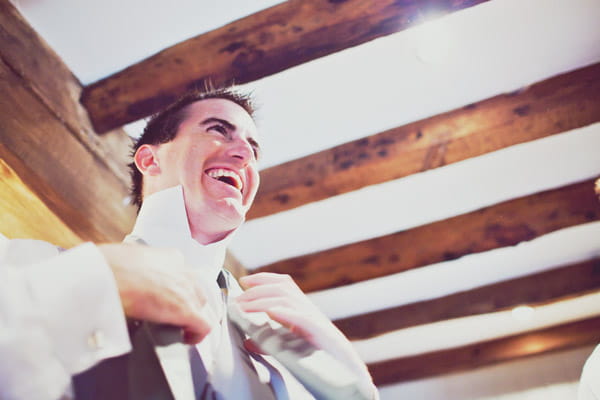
213,156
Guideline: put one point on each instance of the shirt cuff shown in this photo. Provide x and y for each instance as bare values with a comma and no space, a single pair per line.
79,306
28,370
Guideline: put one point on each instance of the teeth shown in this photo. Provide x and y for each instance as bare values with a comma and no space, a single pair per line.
220,173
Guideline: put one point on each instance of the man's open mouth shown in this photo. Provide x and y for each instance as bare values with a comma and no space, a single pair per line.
227,176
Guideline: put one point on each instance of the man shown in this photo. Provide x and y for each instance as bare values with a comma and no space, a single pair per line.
195,176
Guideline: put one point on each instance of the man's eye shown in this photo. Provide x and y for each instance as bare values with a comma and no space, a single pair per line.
255,148
219,128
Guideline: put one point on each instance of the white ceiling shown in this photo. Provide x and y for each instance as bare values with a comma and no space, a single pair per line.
477,53
98,38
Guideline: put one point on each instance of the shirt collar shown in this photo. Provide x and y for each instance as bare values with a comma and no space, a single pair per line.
162,222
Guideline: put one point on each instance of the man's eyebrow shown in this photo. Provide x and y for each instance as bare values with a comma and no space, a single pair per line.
229,126
211,120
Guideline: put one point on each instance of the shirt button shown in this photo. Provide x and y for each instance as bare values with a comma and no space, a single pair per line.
96,340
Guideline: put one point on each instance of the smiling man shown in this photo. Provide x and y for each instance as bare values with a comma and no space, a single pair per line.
195,176
208,147
62,313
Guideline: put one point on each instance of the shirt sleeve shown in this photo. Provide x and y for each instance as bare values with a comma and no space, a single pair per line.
589,386
59,315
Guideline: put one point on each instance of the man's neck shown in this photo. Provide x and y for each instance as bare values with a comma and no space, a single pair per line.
204,234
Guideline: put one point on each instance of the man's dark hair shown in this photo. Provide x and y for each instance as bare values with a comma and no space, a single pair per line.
163,126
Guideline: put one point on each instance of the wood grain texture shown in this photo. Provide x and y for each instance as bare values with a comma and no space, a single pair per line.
500,225
79,189
233,265
47,140
549,107
556,338
535,290
264,43
48,78
23,215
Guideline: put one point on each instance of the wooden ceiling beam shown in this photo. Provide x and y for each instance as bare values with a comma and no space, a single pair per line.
24,215
79,189
262,44
47,143
556,105
45,75
500,225
556,338
233,265
550,286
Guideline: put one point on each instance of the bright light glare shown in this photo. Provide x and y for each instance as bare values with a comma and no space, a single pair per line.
523,313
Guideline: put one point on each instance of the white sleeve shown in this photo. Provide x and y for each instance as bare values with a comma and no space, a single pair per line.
58,316
589,386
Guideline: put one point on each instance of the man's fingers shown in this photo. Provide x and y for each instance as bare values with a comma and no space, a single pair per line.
264,304
265,278
156,285
197,320
268,290
196,334
295,321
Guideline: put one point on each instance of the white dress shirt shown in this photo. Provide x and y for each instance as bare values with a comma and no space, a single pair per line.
60,314
162,222
589,387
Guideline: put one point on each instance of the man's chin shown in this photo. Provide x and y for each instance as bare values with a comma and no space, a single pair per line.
232,212
228,212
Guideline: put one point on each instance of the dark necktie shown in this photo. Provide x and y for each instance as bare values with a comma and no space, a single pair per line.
244,363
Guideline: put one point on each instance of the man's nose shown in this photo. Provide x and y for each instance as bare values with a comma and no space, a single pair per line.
241,150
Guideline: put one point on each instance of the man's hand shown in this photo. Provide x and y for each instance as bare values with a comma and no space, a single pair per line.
155,285
280,297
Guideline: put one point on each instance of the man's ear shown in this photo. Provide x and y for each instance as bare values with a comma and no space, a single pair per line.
146,160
